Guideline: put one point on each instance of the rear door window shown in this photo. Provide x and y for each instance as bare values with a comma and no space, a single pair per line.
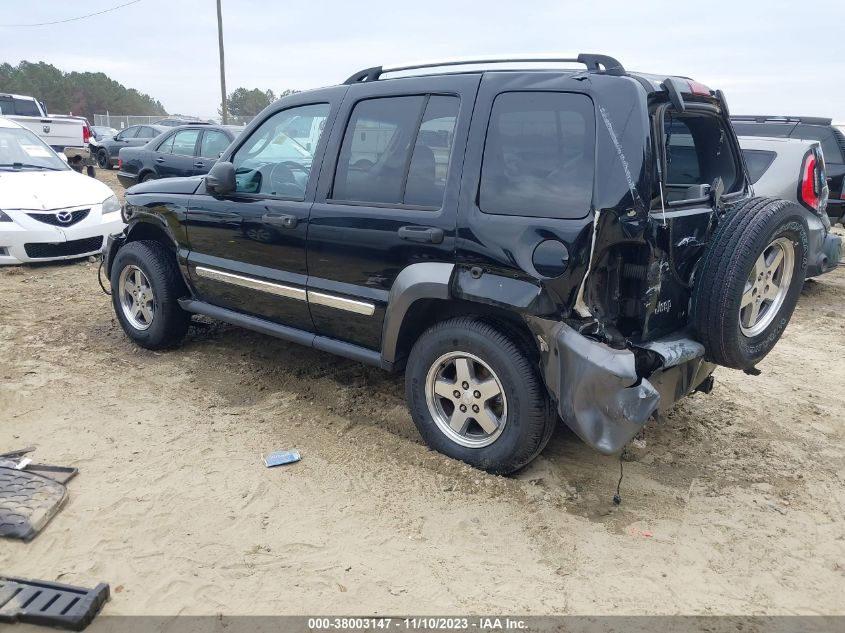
213,143
757,161
396,150
185,141
697,151
433,146
539,155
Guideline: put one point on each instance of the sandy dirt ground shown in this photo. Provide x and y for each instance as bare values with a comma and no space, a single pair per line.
735,505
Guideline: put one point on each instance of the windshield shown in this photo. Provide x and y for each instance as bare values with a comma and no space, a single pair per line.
20,149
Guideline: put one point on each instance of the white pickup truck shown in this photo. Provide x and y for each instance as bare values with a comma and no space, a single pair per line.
59,132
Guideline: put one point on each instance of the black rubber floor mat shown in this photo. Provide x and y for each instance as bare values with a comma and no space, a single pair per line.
62,474
19,453
50,603
27,502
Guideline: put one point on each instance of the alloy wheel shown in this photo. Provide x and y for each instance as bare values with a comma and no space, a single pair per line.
766,287
466,399
137,299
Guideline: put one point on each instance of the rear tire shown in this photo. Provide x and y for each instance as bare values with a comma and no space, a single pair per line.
146,285
507,416
103,160
148,177
749,281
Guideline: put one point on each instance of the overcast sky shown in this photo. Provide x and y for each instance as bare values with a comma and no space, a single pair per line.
765,56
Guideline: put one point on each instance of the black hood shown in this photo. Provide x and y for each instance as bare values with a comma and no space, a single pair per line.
167,185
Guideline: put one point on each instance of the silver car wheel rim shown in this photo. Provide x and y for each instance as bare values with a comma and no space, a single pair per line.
466,399
136,297
766,287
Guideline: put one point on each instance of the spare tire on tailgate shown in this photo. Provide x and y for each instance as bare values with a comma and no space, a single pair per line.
749,280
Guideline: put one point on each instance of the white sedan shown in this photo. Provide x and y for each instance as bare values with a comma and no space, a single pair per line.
47,210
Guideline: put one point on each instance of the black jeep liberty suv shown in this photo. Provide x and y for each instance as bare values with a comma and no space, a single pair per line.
524,244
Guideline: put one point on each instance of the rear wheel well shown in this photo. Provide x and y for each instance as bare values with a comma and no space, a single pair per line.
424,313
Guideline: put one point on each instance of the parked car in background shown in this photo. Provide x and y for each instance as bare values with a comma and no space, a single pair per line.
819,129
58,131
177,121
99,132
106,150
190,150
47,210
794,169
524,244
79,158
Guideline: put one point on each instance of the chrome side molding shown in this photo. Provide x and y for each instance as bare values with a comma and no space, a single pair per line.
341,303
289,292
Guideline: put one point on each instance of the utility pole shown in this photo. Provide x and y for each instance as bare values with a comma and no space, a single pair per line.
225,107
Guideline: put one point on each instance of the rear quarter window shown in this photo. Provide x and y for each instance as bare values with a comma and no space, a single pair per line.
771,130
825,136
539,155
757,161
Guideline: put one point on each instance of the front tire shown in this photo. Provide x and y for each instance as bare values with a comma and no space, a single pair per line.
146,285
475,396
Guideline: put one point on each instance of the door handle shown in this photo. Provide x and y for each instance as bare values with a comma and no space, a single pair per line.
159,160
427,234
284,221
199,164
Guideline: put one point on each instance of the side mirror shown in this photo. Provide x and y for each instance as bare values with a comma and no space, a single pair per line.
220,180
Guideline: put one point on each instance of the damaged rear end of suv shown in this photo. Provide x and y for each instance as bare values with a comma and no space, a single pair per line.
679,270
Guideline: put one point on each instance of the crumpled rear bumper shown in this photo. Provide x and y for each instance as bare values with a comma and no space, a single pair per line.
599,394
825,247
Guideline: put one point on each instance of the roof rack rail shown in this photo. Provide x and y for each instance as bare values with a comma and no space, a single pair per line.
594,63
762,118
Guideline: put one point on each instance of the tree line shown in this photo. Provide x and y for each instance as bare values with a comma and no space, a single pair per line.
82,94
243,103
86,94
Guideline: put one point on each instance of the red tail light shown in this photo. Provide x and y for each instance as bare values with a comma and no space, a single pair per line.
119,163
811,191
86,133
